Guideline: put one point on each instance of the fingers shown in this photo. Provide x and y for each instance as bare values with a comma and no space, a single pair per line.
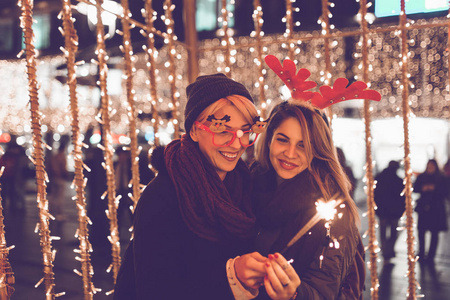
258,257
253,262
286,267
282,273
282,280
249,269
274,280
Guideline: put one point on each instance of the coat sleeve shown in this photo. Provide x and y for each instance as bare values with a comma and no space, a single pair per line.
157,248
325,278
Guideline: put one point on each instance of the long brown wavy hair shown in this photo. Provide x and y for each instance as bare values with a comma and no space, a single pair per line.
323,162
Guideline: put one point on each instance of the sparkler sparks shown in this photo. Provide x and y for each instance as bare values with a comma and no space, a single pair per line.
325,210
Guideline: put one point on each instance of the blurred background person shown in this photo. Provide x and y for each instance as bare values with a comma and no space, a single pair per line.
59,176
431,185
446,170
391,205
122,172
347,170
14,176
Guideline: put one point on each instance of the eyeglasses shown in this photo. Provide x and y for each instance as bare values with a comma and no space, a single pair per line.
227,137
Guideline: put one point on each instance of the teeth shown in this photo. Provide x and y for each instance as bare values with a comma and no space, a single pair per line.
287,164
229,155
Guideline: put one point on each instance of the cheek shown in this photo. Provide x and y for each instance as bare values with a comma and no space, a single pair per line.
205,145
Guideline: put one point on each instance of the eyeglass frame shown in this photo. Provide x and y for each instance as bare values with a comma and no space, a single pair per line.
207,129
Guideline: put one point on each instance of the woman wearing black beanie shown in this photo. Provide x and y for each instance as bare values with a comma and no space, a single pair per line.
196,213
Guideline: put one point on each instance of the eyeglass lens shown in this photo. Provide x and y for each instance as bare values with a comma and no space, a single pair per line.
226,138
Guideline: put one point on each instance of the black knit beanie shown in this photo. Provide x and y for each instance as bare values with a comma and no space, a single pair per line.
206,90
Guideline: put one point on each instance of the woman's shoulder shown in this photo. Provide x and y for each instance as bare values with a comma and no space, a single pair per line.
158,195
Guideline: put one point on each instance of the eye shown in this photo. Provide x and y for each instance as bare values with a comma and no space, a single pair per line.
301,145
282,140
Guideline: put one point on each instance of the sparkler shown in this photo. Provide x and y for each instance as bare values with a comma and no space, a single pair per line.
325,210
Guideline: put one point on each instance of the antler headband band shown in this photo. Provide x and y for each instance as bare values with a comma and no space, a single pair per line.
297,84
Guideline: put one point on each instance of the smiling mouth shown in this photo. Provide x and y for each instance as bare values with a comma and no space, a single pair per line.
229,156
287,165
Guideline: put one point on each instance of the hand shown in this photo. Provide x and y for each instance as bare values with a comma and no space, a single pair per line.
250,270
281,281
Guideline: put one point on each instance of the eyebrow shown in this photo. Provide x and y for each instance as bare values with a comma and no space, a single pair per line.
279,133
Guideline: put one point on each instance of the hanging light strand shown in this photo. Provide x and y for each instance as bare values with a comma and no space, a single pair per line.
370,184
113,201
38,153
171,37
7,279
71,48
289,33
448,49
131,98
258,34
151,52
226,39
411,293
324,21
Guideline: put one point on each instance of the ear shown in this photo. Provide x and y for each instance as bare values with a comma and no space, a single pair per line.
194,133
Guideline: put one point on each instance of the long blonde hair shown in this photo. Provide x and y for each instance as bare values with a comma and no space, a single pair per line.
323,163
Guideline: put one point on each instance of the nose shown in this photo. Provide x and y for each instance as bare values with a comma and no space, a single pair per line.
290,151
236,144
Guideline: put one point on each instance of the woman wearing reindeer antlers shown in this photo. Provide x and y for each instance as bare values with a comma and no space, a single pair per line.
197,212
306,219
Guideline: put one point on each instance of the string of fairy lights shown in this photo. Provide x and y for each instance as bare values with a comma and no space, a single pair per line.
370,186
48,254
131,99
79,182
153,80
107,147
227,40
7,275
411,257
260,51
151,55
170,64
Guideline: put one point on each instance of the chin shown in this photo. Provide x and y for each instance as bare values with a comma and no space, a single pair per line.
287,175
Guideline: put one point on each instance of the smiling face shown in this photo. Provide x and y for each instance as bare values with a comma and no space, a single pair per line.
223,159
286,149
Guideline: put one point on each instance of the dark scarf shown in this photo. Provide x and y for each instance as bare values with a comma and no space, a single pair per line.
213,209
281,211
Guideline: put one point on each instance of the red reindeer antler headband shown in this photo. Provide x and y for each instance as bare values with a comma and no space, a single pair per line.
297,84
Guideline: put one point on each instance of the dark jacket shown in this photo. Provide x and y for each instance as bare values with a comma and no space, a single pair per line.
166,260
387,194
280,213
431,204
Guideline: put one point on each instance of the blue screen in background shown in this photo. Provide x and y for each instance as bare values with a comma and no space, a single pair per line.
385,8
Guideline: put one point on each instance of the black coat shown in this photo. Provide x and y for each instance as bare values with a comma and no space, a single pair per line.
166,260
280,213
387,194
431,204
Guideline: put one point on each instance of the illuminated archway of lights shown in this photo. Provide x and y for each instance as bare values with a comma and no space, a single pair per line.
159,77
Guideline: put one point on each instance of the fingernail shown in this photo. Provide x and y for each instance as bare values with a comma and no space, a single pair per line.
276,255
267,265
271,256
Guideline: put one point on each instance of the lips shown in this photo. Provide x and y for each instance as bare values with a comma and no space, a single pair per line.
287,165
230,156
